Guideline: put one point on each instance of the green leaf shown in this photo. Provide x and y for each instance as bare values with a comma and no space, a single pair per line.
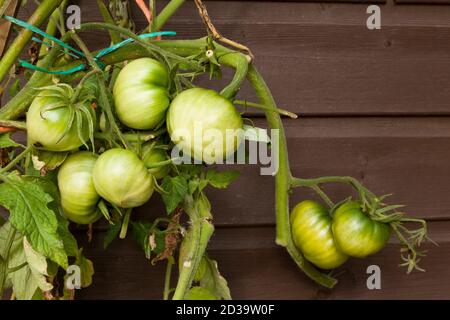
221,180
23,282
141,233
30,214
214,282
48,160
176,188
6,141
86,269
252,133
38,266
199,293
111,234
49,187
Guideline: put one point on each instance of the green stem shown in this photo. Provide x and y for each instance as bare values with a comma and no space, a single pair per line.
262,107
167,278
5,255
80,85
13,124
17,268
125,223
52,25
197,238
15,49
114,35
240,63
323,195
282,184
167,12
16,160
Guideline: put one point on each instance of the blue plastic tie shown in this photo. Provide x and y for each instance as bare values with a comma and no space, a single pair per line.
77,54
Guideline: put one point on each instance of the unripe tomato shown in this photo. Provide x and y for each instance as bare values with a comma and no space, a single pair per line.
47,127
121,178
152,155
140,93
78,195
311,231
198,120
356,234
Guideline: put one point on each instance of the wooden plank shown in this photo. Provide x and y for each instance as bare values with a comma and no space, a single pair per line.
6,25
427,2
252,263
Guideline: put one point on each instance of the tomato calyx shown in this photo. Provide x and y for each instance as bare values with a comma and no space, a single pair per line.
78,103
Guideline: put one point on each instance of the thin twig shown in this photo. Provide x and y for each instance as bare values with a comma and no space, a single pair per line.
215,33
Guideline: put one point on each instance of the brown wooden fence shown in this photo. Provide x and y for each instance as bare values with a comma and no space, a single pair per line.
373,104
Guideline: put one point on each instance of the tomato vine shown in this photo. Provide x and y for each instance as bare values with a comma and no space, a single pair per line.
127,181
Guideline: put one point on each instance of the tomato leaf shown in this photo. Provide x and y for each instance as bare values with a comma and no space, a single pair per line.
141,233
37,264
6,141
31,216
23,282
86,269
48,160
111,234
221,180
199,293
69,241
176,188
214,282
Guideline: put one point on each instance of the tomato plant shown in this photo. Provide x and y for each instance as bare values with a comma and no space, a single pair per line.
122,178
212,116
151,107
355,233
311,230
141,93
78,195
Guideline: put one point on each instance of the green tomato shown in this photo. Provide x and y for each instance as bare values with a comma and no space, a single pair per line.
152,155
47,127
355,233
311,231
78,196
199,121
121,178
140,93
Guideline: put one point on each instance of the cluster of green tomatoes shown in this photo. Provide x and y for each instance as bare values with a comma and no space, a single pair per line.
329,239
58,121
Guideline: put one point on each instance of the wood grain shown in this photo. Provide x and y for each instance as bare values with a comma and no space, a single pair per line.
6,25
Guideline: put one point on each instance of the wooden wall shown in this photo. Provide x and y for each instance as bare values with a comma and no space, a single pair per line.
372,104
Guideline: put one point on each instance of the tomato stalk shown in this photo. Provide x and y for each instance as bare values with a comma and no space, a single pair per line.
18,125
167,12
197,238
167,278
37,18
